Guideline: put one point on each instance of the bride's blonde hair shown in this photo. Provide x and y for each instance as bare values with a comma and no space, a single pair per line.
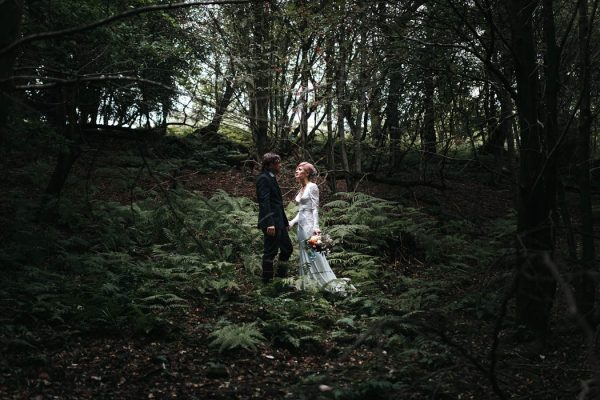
308,167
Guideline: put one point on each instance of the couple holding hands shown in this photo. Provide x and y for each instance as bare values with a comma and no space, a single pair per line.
314,270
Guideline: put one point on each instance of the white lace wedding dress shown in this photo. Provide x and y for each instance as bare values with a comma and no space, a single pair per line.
314,270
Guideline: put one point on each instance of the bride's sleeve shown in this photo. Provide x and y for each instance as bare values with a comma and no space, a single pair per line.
295,220
314,199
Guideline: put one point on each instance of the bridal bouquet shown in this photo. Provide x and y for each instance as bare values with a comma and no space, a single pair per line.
319,243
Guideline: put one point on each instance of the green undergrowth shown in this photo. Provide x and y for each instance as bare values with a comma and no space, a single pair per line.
113,268
138,269
191,237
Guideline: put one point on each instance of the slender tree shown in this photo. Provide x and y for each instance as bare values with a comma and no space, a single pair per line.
259,89
11,12
535,284
585,289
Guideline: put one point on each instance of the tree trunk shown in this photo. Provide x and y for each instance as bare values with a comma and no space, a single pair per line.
535,284
429,138
496,127
89,107
305,46
71,150
340,89
304,99
259,93
361,108
392,121
493,142
552,81
584,282
505,125
223,103
11,13
329,76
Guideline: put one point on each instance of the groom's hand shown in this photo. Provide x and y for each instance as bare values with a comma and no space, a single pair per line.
271,230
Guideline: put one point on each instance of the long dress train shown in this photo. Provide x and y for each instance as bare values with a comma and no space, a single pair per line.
314,269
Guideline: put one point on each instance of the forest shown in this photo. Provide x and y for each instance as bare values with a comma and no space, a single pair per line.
457,151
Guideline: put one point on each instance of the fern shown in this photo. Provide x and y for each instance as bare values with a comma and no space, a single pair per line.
166,301
349,231
337,204
292,333
245,336
363,305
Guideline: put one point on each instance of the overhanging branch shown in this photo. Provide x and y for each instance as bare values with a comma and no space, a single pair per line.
108,20
54,81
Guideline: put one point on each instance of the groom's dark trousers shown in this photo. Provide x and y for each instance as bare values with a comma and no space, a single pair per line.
271,213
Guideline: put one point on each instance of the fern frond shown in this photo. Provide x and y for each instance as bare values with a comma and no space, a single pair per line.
245,336
162,301
337,204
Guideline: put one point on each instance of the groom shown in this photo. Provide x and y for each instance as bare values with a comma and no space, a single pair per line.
272,220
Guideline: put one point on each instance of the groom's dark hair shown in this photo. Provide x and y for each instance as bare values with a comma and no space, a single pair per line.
270,159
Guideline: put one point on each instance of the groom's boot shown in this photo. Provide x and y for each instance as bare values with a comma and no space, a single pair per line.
267,271
282,269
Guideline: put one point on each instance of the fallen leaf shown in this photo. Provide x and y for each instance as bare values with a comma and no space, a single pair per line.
325,388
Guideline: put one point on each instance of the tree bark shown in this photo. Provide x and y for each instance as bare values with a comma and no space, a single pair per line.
220,109
340,89
585,288
361,107
329,77
429,138
552,81
11,13
71,150
304,71
535,287
392,121
260,93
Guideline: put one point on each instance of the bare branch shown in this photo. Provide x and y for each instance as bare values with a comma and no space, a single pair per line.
506,83
54,81
108,20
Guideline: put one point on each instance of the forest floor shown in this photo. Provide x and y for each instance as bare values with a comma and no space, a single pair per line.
418,330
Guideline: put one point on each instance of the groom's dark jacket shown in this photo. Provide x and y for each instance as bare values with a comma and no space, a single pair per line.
270,202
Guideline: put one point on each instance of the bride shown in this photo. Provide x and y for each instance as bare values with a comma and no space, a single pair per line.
314,271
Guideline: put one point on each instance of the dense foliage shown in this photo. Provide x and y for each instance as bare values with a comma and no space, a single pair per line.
138,268
478,119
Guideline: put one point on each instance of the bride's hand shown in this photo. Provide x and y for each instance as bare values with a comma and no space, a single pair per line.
317,231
